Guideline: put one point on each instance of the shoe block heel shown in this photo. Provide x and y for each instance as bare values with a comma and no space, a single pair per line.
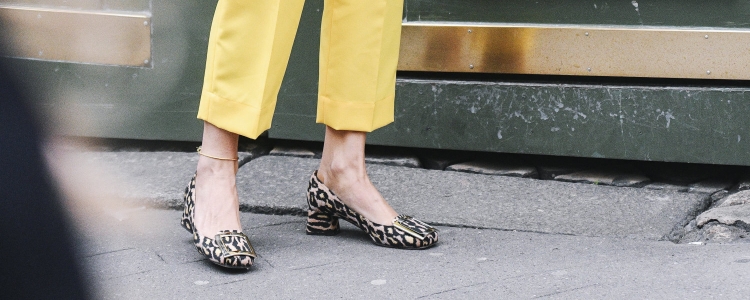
405,233
322,224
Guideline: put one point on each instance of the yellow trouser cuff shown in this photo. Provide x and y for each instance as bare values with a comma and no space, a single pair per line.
355,116
234,116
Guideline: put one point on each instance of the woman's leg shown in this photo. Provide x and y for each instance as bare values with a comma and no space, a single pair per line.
248,51
342,168
358,57
217,205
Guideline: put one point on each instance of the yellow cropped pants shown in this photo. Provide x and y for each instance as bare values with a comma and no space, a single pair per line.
249,49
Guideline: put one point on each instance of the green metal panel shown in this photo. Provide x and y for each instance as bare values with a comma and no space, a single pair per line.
159,102
692,13
679,124
682,124
679,121
687,121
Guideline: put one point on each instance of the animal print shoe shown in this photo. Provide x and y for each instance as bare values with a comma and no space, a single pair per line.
187,213
230,249
325,209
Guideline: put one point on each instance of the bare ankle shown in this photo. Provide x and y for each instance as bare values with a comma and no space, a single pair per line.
208,166
344,169
343,155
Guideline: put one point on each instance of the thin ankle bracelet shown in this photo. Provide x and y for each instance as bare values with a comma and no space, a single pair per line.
214,157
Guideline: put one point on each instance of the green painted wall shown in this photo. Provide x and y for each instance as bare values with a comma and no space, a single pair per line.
135,103
691,13
642,119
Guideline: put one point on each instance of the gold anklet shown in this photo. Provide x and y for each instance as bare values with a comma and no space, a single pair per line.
214,157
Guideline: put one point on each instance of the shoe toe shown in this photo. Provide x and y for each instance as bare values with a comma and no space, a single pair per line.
238,261
428,241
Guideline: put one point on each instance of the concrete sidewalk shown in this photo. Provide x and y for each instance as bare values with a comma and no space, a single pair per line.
501,237
277,185
145,254
493,202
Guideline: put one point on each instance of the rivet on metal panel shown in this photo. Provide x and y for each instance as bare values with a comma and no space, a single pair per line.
471,67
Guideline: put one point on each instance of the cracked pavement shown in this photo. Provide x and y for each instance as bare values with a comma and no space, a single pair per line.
501,237
147,255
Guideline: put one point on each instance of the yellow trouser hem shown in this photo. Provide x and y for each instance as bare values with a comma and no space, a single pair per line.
234,116
355,116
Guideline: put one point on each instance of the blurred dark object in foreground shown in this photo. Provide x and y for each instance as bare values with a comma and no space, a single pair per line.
37,257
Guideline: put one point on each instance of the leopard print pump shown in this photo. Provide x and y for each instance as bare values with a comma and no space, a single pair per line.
230,249
325,209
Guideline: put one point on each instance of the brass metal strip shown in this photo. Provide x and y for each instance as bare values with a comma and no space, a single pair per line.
90,37
576,50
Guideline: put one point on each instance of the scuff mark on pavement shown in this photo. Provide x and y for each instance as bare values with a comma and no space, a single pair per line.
128,275
230,282
109,252
453,289
320,265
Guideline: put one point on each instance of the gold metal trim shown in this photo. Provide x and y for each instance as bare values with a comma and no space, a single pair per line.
408,230
230,253
90,37
401,222
576,50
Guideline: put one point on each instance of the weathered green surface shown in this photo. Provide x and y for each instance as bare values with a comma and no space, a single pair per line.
695,13
669,121
683,124
161,102
664,122
139,103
